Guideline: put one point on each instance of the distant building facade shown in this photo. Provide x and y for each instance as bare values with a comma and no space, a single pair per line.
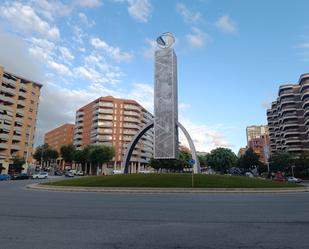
19,100
261,147
258,141
288,118
114,121
256,131
59,136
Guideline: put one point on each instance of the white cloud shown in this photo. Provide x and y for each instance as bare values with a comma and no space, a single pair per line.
113,52
41,49
266,104
188,15
149,51
142,93
22,63
25,18
183,106
303,45
52,8
66,54
88,3
59,68
226,24
140,10
197,38
85,20
205,138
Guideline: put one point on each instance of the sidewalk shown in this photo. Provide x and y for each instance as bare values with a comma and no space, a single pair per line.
38,186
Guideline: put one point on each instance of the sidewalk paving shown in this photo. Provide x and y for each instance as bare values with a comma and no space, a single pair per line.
38,186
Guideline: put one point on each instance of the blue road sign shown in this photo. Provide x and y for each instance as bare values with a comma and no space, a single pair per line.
191,162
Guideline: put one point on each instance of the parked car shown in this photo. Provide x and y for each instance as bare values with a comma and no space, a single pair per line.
79,173
68,174
40,175
58,173
279,177
294,179
4,177
116,171
21,176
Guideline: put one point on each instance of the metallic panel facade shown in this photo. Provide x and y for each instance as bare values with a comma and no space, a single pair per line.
165,105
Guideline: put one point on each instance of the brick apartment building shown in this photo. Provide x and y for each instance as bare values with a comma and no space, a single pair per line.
59,136
113,121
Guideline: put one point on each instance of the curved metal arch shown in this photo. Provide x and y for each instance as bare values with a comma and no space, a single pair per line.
196,166
131,146
142,131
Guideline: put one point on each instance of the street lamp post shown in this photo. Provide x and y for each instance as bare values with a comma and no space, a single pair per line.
293,170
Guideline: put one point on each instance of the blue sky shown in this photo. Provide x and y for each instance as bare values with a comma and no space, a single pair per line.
232,56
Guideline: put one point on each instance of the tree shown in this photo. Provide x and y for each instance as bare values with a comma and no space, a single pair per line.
203,160
68,152
172,164
45,154
301,164
17,165
221,159
248,160
281,161
100,154
40,153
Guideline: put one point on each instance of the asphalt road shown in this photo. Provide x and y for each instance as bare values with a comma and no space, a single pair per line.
31,219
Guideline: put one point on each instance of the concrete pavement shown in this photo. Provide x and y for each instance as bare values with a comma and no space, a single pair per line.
78,220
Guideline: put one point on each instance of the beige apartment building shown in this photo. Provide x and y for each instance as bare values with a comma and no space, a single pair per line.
288,118
114,121
59,136
19,100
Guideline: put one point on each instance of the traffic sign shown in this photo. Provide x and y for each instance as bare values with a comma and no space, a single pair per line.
191,162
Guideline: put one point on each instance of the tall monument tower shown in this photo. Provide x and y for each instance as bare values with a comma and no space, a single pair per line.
165,122
165,100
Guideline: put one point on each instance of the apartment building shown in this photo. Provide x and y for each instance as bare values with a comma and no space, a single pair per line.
59,136
114,121
19,100
288,118
256,131
261,147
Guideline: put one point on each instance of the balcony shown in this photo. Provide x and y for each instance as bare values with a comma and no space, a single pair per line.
4,136
21,103
23,87
104,138
3,146
131,113
133,126
134,120
23,94
78,136
79,119
7,108
16,138
9,91
104,124
10,82
127,138
103,117
104,104
20,112
131,107
15,147
104,131
129,132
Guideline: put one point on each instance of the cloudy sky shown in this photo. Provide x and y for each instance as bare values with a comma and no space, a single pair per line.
232,56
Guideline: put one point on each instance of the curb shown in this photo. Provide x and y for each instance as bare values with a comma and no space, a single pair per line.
38,186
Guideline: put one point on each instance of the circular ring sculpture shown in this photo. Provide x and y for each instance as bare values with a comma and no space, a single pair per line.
166,40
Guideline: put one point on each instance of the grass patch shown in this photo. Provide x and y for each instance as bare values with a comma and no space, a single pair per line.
171,181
